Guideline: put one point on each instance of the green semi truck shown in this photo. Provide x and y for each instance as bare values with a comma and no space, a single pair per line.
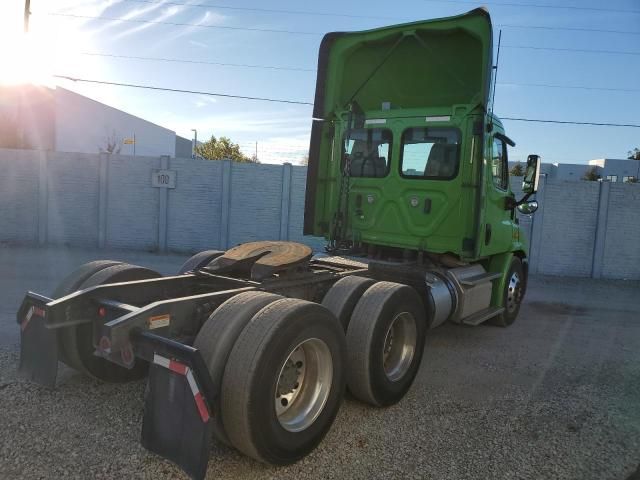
253,347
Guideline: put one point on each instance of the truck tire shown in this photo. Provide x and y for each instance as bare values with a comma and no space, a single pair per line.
199,260
218,335
343,296
385,342
78,339
284,381
71,283
512,295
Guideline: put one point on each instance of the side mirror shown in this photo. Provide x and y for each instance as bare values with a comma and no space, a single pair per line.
531,175
527,208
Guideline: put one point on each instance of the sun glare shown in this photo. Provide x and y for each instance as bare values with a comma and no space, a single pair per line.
48,48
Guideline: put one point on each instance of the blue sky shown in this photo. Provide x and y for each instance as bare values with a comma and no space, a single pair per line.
281,130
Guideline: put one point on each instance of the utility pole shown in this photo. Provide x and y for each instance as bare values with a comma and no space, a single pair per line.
256,150
27,12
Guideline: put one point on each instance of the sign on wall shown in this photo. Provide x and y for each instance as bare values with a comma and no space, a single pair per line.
163,178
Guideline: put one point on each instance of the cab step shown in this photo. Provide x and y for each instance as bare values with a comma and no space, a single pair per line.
483,315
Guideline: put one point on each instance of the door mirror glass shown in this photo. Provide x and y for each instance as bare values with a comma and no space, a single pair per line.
527,208
531,175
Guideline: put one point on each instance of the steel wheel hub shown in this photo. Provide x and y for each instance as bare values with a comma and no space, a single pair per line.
399,346
514,292
303,385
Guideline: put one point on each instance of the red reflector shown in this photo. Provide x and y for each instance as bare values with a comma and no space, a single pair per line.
102,311
202,407
105,344
178,367
126,354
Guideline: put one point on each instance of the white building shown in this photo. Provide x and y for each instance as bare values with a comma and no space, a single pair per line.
607,169
617,170
58,119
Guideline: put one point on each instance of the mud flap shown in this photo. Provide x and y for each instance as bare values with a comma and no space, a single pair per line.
177,423
38,344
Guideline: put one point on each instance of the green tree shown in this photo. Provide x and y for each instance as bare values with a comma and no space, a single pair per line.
517,170
223,149
591,174
634,154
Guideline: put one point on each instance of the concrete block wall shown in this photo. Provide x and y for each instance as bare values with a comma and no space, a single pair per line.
621,252
132,203
568,231
587,229
73,186
194,208
255,202
19,195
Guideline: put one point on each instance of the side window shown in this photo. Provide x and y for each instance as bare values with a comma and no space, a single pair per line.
499,164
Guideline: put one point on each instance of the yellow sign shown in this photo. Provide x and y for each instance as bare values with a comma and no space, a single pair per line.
129,141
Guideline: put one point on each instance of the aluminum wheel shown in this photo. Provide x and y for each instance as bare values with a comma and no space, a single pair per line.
399,346
514,292
303,385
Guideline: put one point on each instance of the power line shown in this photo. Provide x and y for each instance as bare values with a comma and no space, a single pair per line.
299,32
581,50
576,87
570,29
374,17
199,62
568,122
265,10
536,5
297,69
265,99
176,24
177,90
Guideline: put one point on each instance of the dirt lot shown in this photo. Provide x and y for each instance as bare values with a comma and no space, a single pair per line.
557,395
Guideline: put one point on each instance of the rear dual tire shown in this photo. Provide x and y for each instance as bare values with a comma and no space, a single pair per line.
278,365
291,350
218,335
385,343
75,343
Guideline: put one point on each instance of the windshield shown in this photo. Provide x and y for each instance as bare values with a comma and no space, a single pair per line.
431,152
368,151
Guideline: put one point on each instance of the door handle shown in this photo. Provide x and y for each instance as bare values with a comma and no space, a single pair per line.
427,205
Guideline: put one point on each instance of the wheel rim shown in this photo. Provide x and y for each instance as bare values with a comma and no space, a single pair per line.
399,346
513,293
303,385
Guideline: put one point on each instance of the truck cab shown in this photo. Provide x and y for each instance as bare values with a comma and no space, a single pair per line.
408,164
406,155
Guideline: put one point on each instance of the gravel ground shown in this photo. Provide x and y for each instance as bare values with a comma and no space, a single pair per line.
557,395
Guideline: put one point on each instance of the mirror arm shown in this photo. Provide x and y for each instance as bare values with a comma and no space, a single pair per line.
524,199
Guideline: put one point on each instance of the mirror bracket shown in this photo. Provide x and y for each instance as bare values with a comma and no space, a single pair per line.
523,200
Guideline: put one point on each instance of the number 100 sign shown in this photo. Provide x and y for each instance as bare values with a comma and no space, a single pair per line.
163,178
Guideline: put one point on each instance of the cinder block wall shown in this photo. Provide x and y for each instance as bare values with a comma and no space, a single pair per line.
587,229
621,257
568,231
19,195
195,206
73,187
